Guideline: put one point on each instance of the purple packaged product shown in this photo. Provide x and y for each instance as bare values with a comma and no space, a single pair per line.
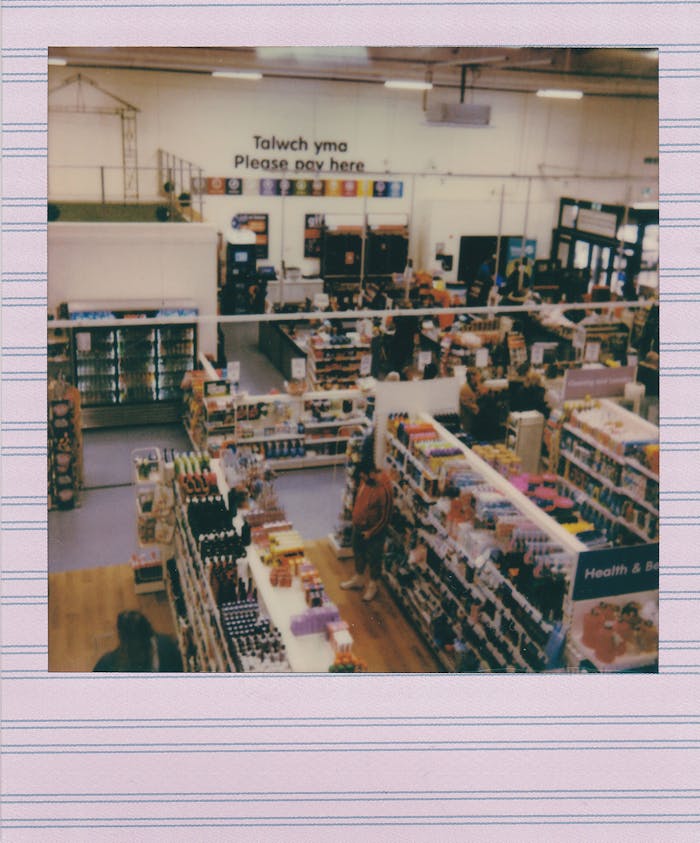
314,619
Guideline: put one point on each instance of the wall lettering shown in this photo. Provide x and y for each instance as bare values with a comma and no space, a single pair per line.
300,164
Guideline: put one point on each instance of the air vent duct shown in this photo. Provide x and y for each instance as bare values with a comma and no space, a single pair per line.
458,114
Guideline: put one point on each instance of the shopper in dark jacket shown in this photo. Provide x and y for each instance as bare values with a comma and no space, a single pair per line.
140,649
529,395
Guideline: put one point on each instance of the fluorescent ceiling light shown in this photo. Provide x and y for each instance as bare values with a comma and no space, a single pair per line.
408,85
646,206
554,93
252,75
311,55
57,62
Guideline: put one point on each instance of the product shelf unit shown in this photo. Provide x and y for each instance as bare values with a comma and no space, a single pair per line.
131,372
335,366
59,358
64,445
305,653
204,615
480,335
505,632
200,623
291,431
600,448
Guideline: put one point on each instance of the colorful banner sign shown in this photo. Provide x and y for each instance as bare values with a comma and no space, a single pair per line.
347,188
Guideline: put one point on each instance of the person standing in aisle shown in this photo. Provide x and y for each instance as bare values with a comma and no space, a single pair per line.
370,518
469,394
140,649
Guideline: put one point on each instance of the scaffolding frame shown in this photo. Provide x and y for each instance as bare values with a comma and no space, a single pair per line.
121,108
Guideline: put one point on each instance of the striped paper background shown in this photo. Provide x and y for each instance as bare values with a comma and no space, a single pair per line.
289,757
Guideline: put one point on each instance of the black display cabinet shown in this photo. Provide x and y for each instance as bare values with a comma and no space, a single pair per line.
238,294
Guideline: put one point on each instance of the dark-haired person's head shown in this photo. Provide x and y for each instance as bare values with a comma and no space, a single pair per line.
366,470
135,641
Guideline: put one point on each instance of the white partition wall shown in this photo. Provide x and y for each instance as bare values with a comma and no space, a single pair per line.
133,261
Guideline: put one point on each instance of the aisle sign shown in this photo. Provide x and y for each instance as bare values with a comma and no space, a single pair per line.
537,354
216,388
615,608
313,226
83,341
298,368
592,353
424,358
596,221
615,571
233,370
598,383
515,250
365,365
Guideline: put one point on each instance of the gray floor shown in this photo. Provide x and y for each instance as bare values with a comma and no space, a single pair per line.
258,375
102,530
107,452
312,498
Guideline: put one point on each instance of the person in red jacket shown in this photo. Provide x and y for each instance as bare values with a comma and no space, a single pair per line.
370,518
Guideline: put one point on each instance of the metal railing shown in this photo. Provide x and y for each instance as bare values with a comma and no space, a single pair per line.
104,184
181,181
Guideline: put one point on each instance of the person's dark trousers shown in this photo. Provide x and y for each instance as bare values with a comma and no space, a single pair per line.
368,554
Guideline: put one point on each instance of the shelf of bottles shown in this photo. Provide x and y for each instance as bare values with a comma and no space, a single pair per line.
335,361
222,624
132,364
478,571
462,344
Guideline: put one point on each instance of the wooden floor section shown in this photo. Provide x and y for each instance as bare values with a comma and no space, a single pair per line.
384,638
84,604
83,609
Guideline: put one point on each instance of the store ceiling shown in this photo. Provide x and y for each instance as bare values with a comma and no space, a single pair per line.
602,72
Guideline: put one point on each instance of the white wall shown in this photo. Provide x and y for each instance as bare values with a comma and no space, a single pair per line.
132,261
208,121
